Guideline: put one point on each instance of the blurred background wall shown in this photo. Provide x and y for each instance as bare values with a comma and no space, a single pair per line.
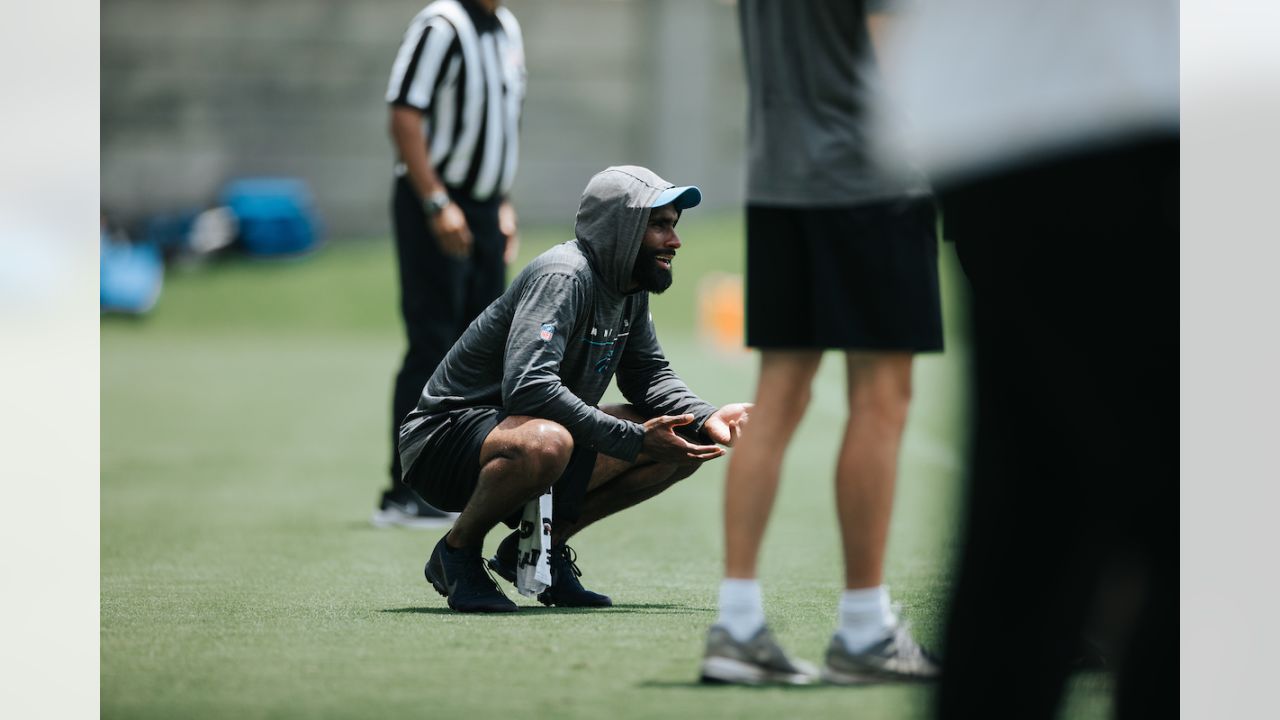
195,92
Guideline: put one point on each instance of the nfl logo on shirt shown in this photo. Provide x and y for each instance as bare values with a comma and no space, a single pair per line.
547,331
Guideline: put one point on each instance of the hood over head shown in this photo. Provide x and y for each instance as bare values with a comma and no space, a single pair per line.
614,212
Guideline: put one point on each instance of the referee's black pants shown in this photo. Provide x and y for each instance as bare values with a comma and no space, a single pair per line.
1073,486
439,295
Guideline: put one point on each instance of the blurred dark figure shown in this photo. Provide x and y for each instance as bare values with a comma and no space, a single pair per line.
1074,279
1051,135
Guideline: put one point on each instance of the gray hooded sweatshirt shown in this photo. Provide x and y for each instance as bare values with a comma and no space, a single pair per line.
551,344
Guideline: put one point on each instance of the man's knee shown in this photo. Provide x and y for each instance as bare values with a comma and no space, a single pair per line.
787,398
880,383
786,380
543,450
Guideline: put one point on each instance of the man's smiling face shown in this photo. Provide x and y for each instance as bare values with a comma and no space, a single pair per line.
652,270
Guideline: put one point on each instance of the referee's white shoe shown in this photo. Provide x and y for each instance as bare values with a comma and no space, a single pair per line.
403,507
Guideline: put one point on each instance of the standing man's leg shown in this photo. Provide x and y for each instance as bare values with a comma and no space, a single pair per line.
879,392
782,396
740,648
894,308
431,303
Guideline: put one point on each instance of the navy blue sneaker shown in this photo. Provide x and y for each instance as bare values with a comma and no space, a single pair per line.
565,590
459,575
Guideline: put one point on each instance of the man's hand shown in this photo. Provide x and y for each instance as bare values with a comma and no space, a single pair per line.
725,425
507,225
662,444
451,231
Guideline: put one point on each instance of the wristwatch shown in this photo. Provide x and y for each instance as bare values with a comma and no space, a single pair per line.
435,202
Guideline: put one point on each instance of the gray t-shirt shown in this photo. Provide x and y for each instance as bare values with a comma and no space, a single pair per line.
810,76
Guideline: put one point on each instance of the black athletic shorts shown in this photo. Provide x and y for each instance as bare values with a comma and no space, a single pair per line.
445,473
863,277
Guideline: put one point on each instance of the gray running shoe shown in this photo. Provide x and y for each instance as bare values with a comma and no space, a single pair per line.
897,658
757,661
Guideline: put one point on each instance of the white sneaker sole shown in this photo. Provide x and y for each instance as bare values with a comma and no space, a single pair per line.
389,518
736,672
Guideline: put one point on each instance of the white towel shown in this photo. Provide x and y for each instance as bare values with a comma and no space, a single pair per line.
533,566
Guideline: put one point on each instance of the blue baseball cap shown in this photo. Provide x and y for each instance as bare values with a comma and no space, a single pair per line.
685,197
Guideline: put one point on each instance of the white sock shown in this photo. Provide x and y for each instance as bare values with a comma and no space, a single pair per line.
865,617
741,609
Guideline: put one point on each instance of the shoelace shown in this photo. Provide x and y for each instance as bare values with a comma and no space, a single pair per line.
570,558
483,572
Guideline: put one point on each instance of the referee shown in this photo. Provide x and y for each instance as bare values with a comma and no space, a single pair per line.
455,95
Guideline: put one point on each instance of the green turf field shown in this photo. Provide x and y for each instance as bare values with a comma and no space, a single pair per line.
244,443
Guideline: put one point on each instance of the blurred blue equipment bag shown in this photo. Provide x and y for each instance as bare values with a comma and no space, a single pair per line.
276,216
130,276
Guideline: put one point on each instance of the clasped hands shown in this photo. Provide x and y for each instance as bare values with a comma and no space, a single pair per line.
724,427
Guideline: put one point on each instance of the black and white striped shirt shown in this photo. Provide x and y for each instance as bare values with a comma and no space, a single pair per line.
464,69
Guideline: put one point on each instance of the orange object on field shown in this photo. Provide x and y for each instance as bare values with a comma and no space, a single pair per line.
720,311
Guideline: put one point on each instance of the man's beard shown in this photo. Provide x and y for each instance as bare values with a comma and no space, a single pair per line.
649,274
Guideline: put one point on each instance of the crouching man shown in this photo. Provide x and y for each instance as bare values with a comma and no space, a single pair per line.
512,410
